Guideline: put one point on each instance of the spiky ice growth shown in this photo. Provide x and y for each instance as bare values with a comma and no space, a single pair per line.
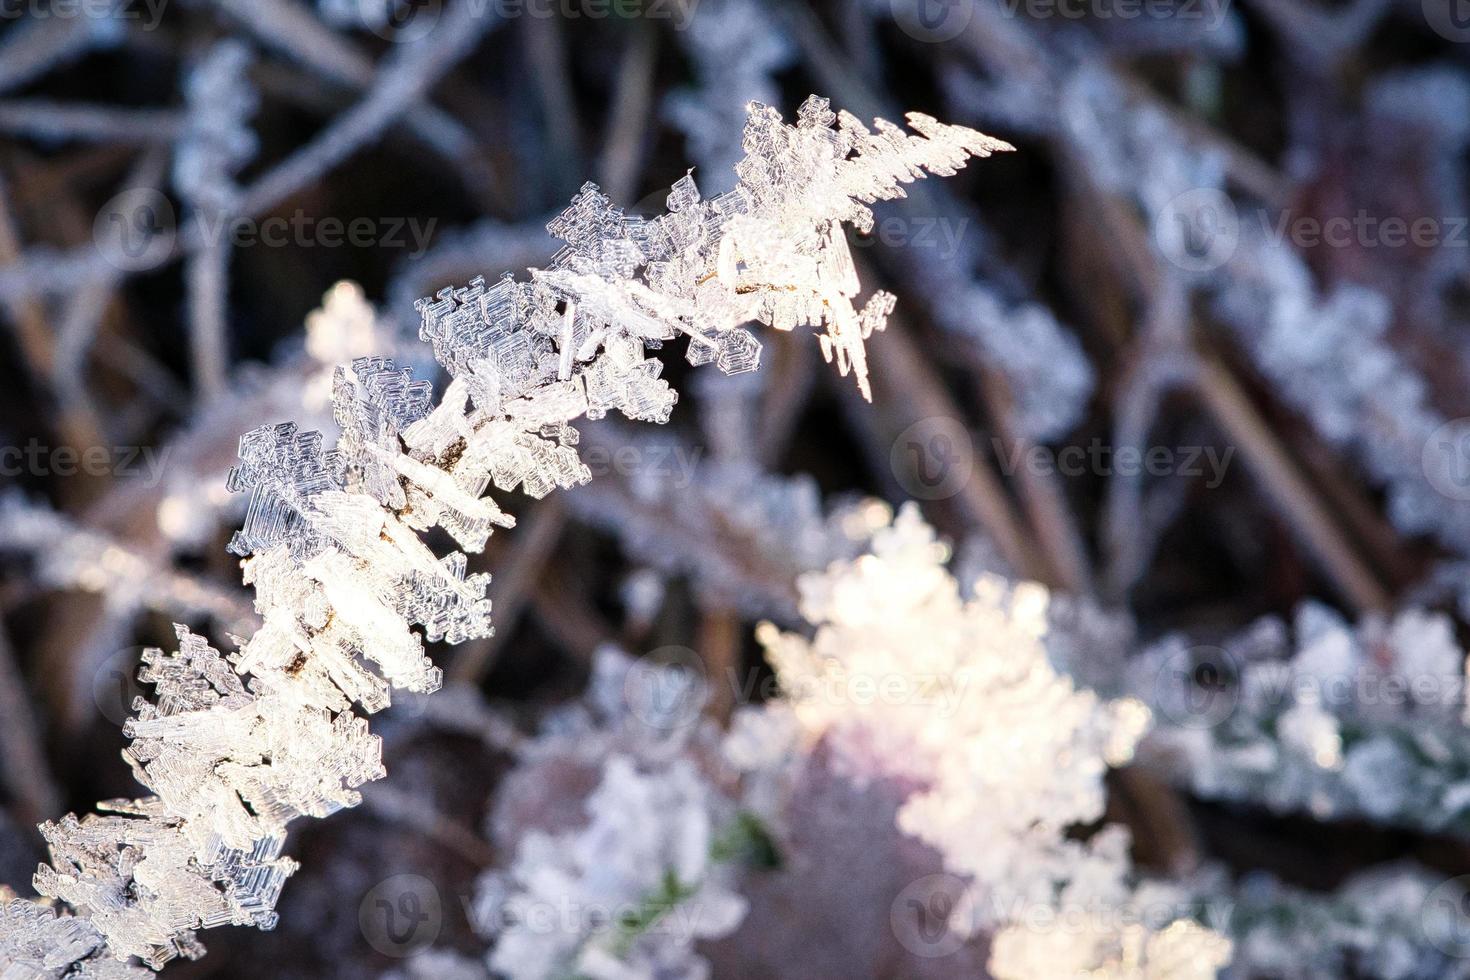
910,680
238,745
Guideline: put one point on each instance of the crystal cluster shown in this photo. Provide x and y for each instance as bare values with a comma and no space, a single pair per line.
237,745
908,680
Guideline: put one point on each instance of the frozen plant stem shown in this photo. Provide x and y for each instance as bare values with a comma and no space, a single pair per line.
238,745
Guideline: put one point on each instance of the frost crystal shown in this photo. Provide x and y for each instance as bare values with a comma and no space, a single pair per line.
236,746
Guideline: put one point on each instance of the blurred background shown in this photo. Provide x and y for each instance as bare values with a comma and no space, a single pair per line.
1194,355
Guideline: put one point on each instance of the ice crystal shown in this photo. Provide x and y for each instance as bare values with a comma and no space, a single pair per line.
236,746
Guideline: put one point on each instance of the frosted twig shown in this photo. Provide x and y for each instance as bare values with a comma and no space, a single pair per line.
49,121
34,46
408,74
291,28
216,143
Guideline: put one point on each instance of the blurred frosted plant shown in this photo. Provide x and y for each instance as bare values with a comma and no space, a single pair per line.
216,142
1382,922
344,328
1049,376
214,145
68,556
357,14
1330,358
1335,720
737,47
1424,113
1003,754
627,887
742,536
1135,149
627,895
239,745
1327,353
